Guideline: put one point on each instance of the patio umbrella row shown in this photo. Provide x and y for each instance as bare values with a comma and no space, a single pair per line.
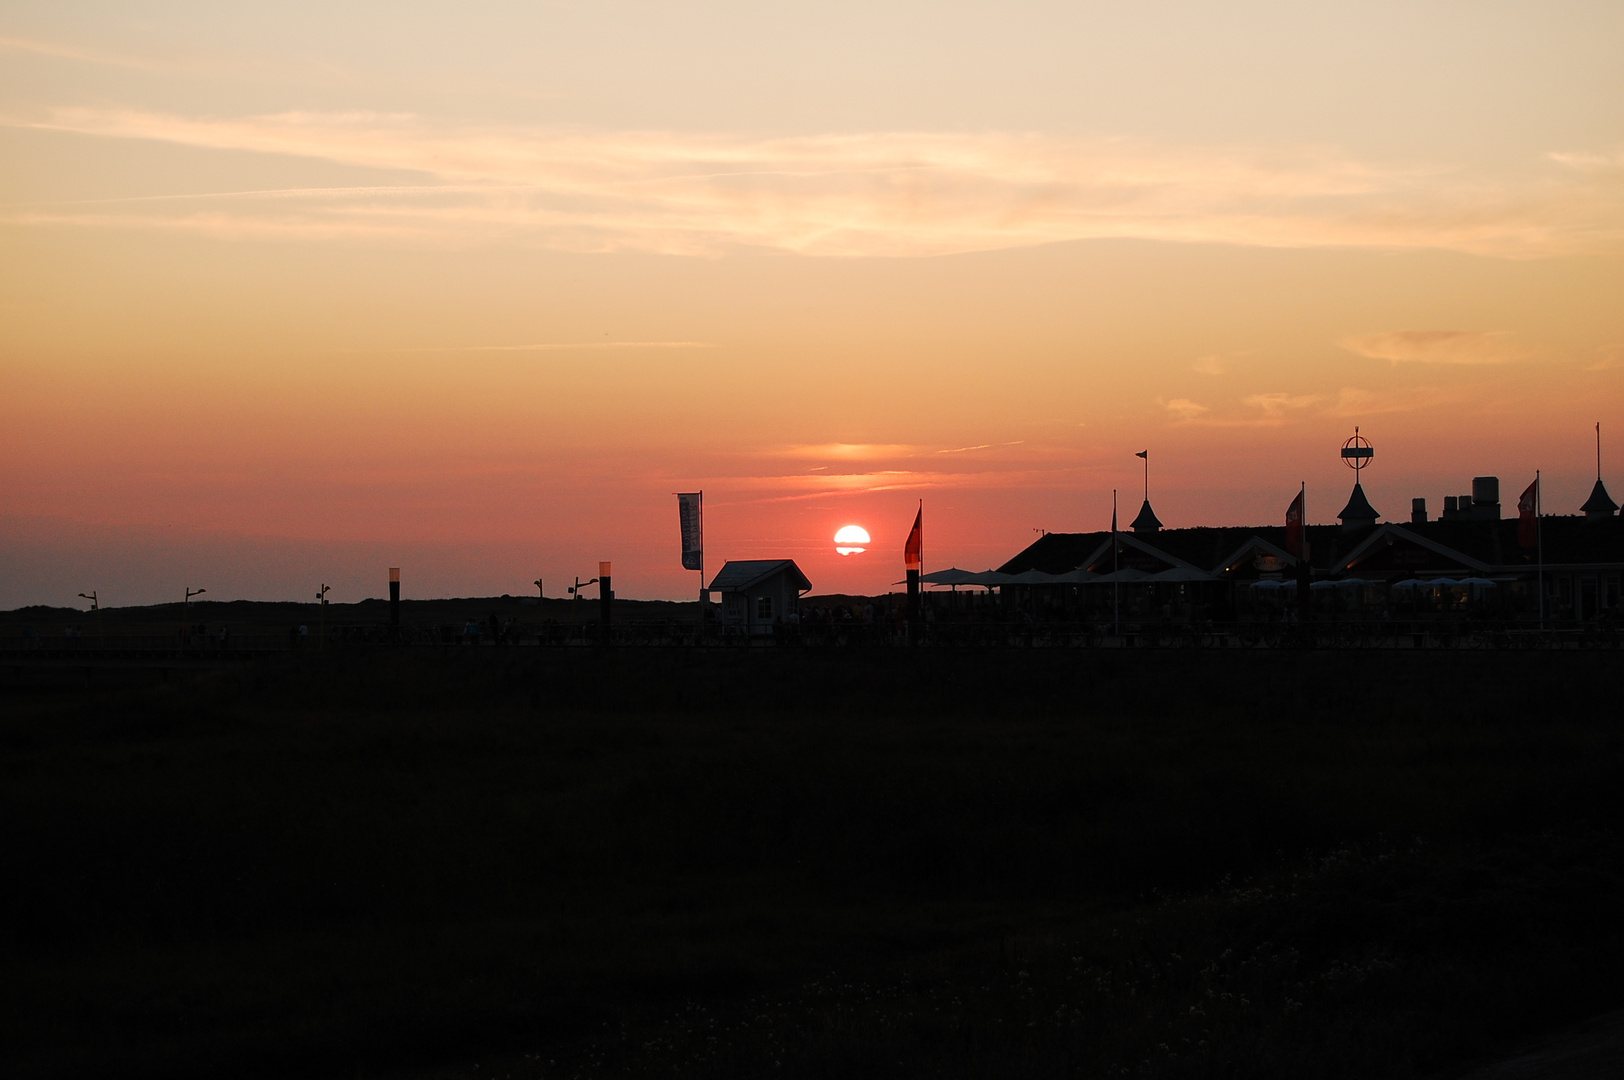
988,579
992,578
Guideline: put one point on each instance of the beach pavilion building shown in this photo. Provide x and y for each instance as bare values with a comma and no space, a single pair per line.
1470,560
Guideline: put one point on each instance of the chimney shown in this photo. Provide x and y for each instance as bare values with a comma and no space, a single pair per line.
1485,498
1451,506
1418,511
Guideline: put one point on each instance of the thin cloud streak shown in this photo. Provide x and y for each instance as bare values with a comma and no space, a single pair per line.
861,194
543,346
87,56
1437,347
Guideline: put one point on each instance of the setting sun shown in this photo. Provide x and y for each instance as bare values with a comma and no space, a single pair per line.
851,540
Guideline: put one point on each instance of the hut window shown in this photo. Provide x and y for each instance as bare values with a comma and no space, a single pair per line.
764,607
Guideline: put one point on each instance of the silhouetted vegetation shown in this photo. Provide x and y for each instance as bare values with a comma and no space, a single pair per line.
814,863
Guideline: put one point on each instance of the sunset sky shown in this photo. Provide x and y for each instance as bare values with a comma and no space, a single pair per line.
291,293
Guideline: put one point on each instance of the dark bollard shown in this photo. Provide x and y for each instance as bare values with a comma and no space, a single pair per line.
606,596
394,603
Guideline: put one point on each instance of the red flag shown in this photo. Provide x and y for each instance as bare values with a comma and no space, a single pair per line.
913,552
1528,515
1294,526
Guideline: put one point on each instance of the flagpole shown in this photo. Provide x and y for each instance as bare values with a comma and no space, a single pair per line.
1539,542
1305,573
704,596
1116,586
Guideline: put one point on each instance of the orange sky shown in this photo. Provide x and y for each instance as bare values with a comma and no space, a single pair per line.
298,299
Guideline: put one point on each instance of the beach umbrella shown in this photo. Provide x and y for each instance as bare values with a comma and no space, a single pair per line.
951,576
1181,574
1125,576
1033,577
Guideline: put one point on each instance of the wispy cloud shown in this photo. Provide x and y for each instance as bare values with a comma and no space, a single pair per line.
848,451
857,194
547,345
71,52
1590,161
1276,405
1209,365
1354,402
1608,357
1273,410
1438,347
1184,408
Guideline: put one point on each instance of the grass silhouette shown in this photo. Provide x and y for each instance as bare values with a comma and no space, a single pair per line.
731,862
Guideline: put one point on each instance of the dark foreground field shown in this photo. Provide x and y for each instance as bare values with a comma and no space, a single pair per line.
527,863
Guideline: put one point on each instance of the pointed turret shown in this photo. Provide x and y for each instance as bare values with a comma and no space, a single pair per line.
1358,512
1146,521
1599,505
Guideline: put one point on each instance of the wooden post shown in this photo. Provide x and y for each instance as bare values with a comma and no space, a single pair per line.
394,603
606,597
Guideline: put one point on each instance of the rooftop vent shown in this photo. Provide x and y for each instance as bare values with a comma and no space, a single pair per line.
1483,504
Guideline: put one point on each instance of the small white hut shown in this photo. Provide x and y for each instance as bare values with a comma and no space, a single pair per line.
758,593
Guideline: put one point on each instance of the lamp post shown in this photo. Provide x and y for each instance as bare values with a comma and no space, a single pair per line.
321,598
95,606
575,591
540,595
186,608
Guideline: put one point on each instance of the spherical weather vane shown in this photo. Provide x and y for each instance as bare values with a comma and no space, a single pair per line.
1356,453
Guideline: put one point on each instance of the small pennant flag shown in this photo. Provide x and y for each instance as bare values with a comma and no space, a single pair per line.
1528,515
1294,526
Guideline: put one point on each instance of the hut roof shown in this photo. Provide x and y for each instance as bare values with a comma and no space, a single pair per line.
737,575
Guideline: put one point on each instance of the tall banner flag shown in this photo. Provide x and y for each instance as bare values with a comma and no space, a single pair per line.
1294,526
689,505
1528,515
913,552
